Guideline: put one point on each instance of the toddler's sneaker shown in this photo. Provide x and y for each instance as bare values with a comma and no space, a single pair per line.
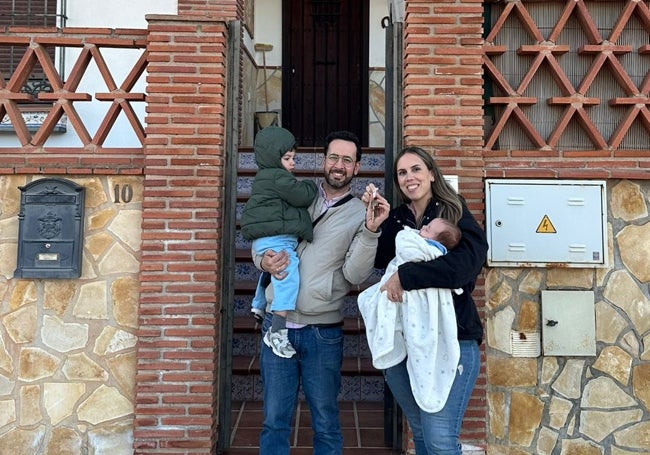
258,314
279,343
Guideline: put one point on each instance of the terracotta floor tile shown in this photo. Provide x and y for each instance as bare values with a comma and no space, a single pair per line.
362,426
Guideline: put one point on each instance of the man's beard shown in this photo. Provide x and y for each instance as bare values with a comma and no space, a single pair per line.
336,183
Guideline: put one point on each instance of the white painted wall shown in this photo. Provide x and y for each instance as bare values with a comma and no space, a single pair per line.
268,30
116,13
377,55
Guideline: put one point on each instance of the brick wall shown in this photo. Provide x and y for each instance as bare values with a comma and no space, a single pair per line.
443,113
181,230
211,9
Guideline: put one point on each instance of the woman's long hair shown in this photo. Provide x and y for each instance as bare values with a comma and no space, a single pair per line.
451,206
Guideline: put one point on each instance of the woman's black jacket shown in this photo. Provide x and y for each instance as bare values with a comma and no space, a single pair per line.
458,268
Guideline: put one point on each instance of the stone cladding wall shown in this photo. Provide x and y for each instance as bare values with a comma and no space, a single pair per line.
67,346
588,405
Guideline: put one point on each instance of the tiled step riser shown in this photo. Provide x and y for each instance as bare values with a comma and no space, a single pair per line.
357,187
307,161
247,344
242,302
353,388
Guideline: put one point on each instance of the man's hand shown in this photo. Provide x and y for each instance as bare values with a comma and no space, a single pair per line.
377,207
275,263
393,288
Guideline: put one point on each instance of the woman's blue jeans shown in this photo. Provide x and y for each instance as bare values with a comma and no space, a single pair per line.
438,433
317,367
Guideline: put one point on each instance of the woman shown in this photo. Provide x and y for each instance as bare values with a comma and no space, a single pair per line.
426,195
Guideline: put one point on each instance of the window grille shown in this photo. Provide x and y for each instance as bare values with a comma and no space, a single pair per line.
326,11
29,13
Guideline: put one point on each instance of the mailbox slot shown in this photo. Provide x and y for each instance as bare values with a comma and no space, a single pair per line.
50,229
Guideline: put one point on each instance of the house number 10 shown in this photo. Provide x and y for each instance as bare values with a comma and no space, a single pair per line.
124,194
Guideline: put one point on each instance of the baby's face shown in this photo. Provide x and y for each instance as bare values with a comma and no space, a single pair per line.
433,229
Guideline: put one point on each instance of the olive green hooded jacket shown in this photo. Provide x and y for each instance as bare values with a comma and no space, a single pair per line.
278,203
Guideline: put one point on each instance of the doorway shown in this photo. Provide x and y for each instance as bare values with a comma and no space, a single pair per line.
325,68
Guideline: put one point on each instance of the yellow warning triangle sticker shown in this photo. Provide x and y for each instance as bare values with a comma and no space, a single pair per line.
545,226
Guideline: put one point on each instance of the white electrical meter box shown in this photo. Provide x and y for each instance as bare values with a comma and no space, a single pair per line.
546,223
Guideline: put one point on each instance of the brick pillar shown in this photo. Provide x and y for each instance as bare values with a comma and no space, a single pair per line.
232,9
175,410
443,88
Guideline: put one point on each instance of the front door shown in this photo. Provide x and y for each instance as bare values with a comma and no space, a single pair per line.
325,68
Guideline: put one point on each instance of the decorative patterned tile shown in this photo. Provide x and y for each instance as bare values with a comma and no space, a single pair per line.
242,387
364,349
359,184
350,307
350,346
373,162
244,185
372,388
246,160
241,242
245,344
246,272
353,388
238,211
258,388
350,389
242,305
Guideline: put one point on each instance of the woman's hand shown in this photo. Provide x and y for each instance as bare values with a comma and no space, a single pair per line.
393,288
275,263
377,208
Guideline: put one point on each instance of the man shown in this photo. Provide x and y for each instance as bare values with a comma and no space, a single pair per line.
341,255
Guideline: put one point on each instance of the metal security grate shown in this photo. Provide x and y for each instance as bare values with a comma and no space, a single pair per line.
325,11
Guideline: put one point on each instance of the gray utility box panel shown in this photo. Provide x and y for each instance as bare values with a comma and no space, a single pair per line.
538,223
568,323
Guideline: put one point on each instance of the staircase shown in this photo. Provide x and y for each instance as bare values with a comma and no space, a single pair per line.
362,386
360,381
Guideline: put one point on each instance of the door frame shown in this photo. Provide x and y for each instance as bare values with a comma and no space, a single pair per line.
224,353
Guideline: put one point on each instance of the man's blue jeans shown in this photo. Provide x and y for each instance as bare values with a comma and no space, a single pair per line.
317,367
438,433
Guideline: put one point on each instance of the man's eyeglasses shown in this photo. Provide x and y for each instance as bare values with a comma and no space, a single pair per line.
333,159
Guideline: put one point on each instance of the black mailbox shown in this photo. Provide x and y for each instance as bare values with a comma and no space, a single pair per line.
50,229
